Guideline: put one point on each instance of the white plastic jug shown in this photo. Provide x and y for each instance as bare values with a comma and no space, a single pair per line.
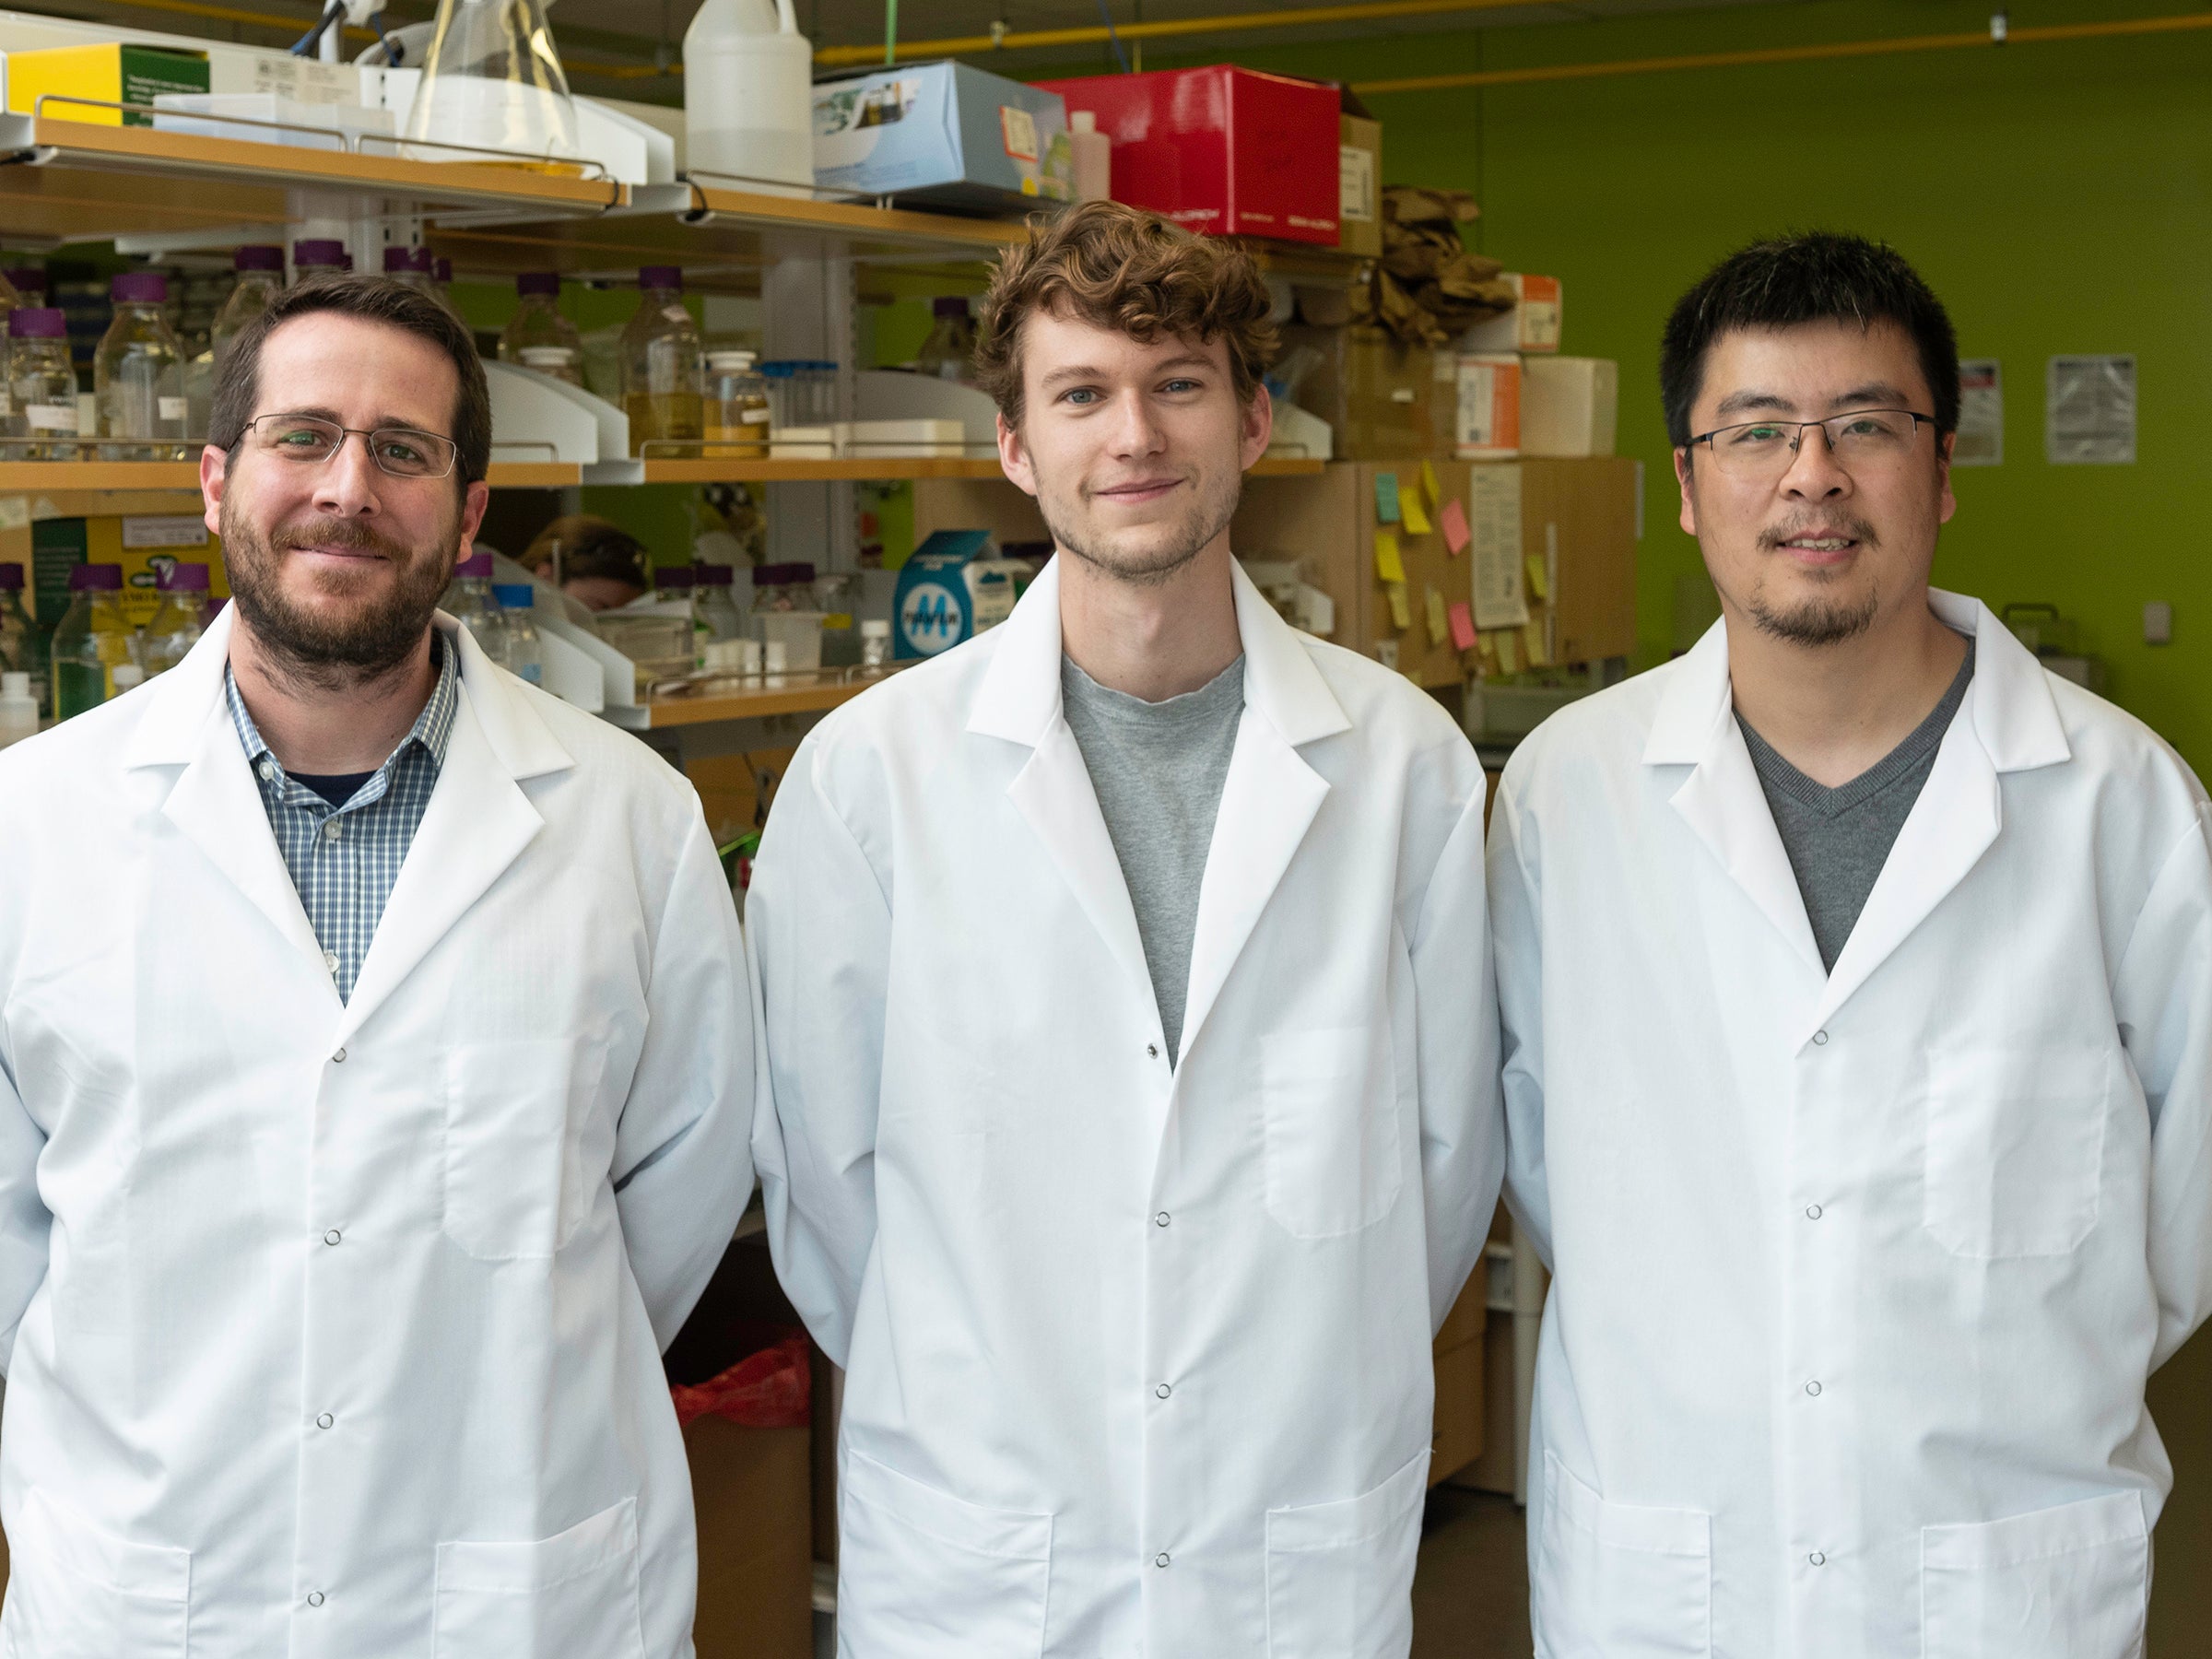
748,95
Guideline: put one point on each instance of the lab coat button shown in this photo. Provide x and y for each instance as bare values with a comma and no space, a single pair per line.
332,1236
1161,1559
314,1598
1817,1558
1161,1219
1812,1212
338,1058
1152,1051
1812,1388
1163,1391
326,1421
1820,1039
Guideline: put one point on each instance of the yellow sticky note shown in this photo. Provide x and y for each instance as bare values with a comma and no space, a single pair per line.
1428,488
1440,625
1389,567
1509,650
1539,653
1401,611
1537,587
1417,522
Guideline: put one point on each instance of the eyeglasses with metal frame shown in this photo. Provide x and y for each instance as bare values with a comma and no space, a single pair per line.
309,440
1862,439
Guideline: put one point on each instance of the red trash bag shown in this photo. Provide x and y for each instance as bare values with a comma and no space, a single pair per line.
770,1389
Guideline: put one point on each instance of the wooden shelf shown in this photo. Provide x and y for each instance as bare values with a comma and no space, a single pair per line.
19,476
666,713
886,468
65,181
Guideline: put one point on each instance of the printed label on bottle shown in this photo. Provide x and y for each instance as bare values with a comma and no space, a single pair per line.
172,408
753,417
51,417
7,404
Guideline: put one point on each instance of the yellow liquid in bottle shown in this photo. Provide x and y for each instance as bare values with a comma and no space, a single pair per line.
674,415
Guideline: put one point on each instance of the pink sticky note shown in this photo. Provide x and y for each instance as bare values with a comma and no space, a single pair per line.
1454,518
1463,619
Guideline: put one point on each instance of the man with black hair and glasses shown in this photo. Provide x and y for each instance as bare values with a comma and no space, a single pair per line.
375,1050
1856,980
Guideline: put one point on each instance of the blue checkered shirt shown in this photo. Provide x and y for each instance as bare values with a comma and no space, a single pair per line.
344,860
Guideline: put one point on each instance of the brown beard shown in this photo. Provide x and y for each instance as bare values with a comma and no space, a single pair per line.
1209,517
331,652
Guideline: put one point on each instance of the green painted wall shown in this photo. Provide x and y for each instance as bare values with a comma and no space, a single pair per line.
2059,197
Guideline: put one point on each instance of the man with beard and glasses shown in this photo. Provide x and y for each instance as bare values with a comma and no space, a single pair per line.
1856,981
1130,1116
374,1047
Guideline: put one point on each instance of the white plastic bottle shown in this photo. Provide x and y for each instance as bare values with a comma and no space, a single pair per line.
525,656
19,709
749,96
1093,154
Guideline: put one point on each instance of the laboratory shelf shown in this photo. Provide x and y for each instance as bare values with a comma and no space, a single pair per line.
74,180
885,468
805,694
21,476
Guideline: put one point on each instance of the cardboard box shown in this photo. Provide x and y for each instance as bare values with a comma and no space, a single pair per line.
942,135
1458,1438
1487,424
113,73
1383,400
1468,1315
1359,184
1569,406
1531,325
751,1489
1221,151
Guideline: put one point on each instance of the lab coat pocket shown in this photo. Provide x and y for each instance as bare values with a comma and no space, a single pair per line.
2070,1583
1340,1575
1620,1581
926,1573
78,1592
1330,1102
573,1596
513,1180
2016,1149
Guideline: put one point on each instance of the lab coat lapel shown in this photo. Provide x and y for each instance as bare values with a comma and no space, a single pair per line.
478,823
1721,800
214,803
1269,800
2008,724
1019,702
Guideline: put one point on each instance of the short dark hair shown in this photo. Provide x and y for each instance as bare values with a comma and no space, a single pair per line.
372,300
1806,277
1121,268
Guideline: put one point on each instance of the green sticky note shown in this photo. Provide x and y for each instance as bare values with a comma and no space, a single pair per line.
1386,497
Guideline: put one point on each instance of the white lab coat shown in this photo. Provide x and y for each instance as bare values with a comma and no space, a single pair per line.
1138,1358
1859,1275
335,1329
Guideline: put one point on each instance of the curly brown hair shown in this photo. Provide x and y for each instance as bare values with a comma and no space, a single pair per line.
1119,267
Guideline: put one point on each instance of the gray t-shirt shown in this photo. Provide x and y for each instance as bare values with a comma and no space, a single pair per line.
1158,768
1839,838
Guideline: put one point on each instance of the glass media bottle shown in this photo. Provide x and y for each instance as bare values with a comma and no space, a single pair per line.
663,372
138,374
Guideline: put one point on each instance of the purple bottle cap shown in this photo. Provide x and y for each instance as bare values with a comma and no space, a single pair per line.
661,277
781,575
715,575
318,251
407,259
96,578
28,279
139,288
950,305
181,578
441,269
38,322
475,564
257,256
672,579
11,578
539,282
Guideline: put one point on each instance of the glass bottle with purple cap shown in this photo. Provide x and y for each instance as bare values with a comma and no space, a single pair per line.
470,602
538,336
138,374
41,387
91,641
21,650
179,619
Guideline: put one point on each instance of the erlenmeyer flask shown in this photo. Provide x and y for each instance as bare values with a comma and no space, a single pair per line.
492,80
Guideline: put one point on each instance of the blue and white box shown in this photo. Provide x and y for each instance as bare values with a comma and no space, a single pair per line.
942,135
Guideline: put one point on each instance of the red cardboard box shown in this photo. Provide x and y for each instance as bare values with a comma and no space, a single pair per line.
1222,151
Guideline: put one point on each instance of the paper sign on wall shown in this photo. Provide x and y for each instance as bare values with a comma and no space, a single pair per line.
2089,411
1980,413
1494,512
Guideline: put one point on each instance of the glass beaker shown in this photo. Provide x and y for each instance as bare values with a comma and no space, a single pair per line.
492,79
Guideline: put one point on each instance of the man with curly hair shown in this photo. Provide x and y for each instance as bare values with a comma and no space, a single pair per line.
1131,1108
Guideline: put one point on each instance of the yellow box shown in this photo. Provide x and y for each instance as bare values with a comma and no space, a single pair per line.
109,74
143,546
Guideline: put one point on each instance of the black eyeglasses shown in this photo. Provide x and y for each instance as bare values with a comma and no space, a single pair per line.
1862,440
309,441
